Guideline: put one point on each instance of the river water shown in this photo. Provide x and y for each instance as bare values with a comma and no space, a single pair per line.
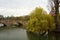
21,34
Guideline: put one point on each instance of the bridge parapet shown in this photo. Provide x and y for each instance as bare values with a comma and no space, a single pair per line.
9,23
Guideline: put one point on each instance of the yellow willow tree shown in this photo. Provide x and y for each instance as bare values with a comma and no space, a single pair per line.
40,21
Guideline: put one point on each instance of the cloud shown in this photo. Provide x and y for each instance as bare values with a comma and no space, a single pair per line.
20,7
14,11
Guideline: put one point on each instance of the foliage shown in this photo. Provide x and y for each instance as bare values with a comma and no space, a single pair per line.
21,18
59,20
40,21
24,18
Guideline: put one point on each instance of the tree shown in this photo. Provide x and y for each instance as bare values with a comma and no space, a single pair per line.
40,21
54,5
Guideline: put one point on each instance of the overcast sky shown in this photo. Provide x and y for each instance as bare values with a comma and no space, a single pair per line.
20,7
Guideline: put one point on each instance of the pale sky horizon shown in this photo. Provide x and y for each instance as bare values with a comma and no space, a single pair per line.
20,7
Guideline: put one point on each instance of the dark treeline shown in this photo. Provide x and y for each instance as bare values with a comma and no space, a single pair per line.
21,18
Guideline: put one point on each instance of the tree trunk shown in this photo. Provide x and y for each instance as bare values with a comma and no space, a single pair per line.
56,13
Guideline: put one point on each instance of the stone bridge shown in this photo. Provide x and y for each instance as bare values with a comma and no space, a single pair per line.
13,22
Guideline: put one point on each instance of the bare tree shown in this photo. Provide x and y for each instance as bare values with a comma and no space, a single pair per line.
54,10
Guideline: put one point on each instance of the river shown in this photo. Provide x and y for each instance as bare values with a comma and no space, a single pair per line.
21,34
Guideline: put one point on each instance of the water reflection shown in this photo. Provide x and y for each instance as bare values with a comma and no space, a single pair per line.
50,36
21,34
54,36
32,36
13,34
